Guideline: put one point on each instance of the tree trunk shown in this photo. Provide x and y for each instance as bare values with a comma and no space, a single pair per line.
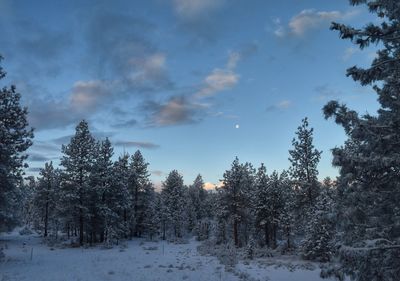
266,226
81,226
235,233
46,218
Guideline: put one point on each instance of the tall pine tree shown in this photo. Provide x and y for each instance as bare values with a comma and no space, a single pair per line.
15,139
369,182
78,162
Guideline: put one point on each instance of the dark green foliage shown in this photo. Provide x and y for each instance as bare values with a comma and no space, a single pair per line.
15,139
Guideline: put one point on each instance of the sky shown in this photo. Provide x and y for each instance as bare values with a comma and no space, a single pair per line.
191,83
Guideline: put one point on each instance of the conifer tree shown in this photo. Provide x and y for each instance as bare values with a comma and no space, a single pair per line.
261,201
304,159
46,193
139,188
174,205
320,230
287,214
15,139
78,160
234,200
118,199
100,188
368,186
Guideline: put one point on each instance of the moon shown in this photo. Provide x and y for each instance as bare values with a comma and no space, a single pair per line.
237,126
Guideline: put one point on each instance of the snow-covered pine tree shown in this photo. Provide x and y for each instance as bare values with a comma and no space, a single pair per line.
100,188
304,159
152,220
318,243
15,139
234,200
46,193
27,204
197,202
174,206
141,190
369,182
79,156
118,200
261,202
287,218
274,206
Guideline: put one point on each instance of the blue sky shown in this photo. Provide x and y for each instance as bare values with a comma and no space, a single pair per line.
173,78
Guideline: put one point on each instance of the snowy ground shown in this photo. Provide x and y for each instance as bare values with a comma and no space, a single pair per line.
28,259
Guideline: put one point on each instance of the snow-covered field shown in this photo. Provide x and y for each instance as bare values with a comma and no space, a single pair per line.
28,259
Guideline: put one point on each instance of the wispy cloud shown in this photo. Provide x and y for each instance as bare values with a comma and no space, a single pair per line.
158,173
325,92
125,124
177,110
37,157
349,53
282,105
195,9
139,144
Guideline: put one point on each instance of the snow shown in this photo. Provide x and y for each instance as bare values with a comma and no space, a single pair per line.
27,258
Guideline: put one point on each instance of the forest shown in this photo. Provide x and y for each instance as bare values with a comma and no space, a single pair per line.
350,224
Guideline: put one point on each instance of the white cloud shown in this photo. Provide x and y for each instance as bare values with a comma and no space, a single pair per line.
221,79
310,19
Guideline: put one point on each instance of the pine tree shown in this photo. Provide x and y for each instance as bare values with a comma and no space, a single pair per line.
261,202
274,206
78,160
174,207
45,198
141,190
118,200
287,217
368,186
152,220
15,139
99,189
304,159
320,230
197,202
234,200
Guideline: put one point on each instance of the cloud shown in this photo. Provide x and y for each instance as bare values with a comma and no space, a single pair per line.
139,144
200,20
221,79
36,157
121,49
209,186
218,80
34,169
325,92
98,135
125,124
158,173
308,20
88,95
42,146
177,110
195,9
282,105
349,52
